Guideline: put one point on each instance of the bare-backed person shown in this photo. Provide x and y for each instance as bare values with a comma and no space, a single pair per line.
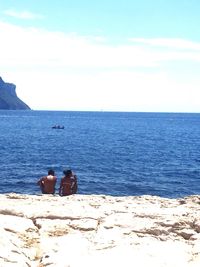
68,184
47,183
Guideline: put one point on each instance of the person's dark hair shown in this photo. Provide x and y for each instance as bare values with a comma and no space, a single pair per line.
67,172
51,172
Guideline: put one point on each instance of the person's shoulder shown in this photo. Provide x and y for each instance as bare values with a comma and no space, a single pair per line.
54,178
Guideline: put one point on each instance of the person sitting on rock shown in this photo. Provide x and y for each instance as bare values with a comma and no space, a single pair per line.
48,183
68,184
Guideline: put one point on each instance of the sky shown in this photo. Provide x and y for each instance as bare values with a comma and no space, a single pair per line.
102,55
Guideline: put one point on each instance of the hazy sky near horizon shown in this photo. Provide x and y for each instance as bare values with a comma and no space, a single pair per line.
122,55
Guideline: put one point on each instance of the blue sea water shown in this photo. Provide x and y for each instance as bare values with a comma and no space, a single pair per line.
113,153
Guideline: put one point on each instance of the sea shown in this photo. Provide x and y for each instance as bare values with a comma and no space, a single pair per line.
112,153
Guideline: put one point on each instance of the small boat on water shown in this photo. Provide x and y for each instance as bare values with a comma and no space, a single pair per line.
58,127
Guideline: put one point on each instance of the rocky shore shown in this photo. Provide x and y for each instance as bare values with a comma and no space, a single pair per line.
91,230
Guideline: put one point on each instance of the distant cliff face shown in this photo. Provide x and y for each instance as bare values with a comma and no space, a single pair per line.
9,98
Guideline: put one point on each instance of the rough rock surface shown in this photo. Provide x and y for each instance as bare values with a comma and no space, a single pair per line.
9,98
91,230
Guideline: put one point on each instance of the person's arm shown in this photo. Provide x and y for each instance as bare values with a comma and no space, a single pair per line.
74,184
40,181
41,184
60,188
55,180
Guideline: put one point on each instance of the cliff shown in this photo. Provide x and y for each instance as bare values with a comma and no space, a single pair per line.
8,97
98,231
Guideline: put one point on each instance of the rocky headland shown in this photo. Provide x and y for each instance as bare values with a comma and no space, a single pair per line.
98,230
9,98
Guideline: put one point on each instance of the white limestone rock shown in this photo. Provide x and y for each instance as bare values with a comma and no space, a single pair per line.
89,230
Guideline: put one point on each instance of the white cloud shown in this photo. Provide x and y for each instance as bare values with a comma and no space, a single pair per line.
37,46
174,43
31,46
22,14
55,70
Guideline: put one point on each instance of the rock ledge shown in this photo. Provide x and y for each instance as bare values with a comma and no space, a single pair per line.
98,230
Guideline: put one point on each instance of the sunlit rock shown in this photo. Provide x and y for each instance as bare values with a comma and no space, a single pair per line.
97,230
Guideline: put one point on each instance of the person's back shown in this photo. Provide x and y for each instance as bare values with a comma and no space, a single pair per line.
68,184
65,187
47,183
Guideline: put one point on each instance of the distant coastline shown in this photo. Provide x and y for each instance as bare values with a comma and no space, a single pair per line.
9,99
